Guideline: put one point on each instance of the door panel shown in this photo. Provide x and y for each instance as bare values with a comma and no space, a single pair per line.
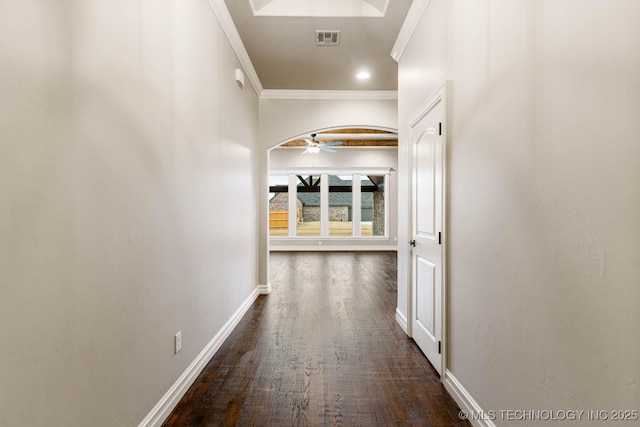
425,180
425,293
428,146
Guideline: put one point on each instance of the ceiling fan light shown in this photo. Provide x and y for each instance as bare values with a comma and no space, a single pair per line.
313,150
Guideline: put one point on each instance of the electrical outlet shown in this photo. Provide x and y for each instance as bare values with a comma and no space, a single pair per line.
178,341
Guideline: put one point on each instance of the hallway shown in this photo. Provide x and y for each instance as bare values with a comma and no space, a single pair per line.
322,349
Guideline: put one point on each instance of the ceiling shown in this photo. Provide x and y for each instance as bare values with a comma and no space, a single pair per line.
280,40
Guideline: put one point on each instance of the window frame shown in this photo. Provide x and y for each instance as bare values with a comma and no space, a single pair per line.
324,201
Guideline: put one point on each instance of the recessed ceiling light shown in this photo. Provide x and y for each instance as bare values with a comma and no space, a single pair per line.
363,75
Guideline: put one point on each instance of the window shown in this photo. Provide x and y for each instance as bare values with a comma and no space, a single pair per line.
340,205
278,205
372,205
328,205
308,202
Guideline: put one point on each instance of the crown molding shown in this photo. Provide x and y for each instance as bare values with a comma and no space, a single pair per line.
329,94
417,9
316,9
229,28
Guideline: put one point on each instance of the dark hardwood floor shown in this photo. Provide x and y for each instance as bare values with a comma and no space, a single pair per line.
323,349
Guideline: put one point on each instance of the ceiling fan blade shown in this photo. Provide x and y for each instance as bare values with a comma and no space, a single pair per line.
328,144
328,150
309,142
304,152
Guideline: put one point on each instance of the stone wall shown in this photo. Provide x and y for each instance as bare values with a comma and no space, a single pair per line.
310,213
339,213
280,202
336,213
378,213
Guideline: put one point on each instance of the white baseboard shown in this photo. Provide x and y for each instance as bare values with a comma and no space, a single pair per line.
163,408
301,248
264,289
465,401
402,321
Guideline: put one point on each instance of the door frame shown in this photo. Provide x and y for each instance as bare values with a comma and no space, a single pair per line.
437,97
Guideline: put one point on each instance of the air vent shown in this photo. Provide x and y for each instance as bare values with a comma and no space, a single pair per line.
327,37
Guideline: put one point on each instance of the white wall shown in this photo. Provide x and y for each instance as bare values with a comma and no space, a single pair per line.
284,119
347,159
544,239
121,129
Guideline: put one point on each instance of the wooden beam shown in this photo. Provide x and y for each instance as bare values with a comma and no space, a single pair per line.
349,143
377,180
383,141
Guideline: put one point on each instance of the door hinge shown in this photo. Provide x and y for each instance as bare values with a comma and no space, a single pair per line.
412,243
439,347
439,128
439,237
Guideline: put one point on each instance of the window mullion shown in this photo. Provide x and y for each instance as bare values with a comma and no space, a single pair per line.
386,204
324,205
293,206
356,204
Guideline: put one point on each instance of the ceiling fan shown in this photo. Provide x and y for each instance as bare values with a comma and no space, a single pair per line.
314,146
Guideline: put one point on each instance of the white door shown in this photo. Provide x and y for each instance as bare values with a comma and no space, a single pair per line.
427,253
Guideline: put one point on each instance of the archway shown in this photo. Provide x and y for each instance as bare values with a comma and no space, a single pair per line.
340,200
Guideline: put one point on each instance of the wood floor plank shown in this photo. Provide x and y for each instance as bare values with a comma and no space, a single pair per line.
323,349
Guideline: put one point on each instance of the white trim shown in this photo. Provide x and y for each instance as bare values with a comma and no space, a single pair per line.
429,104
301,248
356,206
465,400
329,94
402,321
344,147
387,186
292,209
445,225
329,239
336,171
264,289
300,9
324,205
416,11
229,28
168,402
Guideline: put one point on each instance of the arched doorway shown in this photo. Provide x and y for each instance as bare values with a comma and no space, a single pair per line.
342,199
